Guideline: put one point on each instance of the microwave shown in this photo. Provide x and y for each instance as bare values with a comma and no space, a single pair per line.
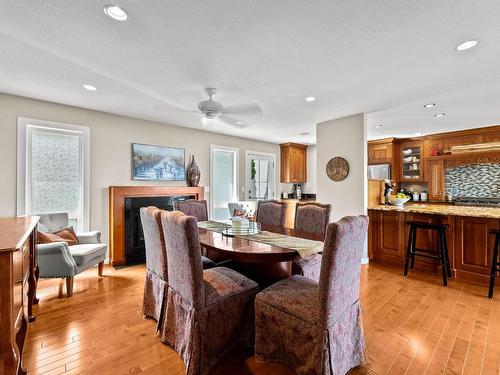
379,172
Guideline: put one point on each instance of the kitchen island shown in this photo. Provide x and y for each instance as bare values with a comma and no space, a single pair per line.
470,246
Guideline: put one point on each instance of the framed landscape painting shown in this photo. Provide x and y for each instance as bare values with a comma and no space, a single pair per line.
157,163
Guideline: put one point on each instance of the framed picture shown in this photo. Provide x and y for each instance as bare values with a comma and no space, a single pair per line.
157,163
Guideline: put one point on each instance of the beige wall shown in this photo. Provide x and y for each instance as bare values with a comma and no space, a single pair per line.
345,137
111,136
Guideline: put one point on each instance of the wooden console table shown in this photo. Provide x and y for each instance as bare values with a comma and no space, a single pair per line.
18,280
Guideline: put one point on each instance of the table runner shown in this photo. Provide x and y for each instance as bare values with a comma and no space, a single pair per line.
303,246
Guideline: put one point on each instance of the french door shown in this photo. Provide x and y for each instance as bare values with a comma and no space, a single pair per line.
260,175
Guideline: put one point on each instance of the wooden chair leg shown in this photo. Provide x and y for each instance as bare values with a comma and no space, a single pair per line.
69,285
494,266
413,247
100,268
408,250
444,265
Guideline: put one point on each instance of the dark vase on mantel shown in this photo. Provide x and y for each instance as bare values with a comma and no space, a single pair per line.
193,173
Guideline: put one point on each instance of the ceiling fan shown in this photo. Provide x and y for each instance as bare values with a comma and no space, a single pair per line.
212,109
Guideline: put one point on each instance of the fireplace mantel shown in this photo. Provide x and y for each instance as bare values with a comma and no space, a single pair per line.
117,195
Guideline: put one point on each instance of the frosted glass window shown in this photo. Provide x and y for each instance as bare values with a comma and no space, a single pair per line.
55,171
223,183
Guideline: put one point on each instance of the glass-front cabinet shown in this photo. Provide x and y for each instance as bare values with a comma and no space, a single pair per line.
412,165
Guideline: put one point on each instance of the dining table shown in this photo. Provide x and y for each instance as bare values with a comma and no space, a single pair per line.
263,261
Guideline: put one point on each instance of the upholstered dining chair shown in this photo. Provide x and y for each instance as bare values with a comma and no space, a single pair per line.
155,285
207,311
271,212
193,207
310,217
315,328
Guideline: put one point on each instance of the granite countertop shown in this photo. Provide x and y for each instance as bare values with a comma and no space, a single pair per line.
443,209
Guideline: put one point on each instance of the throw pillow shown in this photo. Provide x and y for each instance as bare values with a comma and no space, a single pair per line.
68,235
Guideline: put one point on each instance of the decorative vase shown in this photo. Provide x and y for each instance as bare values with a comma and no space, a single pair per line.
193,173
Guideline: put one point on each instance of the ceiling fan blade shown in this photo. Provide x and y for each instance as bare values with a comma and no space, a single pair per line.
242,110
231,121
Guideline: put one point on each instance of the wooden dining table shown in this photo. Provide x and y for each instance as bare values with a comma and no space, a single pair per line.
262,261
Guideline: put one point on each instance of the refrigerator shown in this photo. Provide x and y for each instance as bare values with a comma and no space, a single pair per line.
379,172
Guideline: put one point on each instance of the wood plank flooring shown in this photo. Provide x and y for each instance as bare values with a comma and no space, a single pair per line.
412,325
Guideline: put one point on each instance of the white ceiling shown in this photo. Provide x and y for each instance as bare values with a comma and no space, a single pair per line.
385,58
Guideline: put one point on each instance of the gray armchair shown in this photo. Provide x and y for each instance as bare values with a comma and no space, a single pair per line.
60,260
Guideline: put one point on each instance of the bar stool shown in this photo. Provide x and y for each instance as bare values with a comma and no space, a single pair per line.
441,255
495,264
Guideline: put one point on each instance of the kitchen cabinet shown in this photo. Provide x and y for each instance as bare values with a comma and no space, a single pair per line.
474,246
435,176
470,246
381,151
293,162
411,161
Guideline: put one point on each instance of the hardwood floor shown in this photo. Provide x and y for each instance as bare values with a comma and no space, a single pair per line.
412,325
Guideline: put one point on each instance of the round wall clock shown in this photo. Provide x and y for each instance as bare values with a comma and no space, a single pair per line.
337,169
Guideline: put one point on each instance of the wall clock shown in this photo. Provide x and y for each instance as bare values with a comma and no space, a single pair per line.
337,169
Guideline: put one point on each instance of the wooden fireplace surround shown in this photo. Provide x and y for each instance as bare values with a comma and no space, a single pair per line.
117,195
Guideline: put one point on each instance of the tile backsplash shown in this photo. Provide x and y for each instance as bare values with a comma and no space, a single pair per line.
479,180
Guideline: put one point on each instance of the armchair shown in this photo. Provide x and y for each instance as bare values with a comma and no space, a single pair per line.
60,260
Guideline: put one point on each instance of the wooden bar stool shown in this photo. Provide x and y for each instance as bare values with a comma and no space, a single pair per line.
441,254
495,264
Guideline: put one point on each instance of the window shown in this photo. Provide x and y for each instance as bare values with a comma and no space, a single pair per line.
260,175
53,170
223,180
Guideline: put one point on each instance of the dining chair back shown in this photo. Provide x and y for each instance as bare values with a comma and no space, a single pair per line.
271,213
340,267
156,262
185,270
312,217
193,207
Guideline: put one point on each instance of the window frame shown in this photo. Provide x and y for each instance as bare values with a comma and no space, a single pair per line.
236,172
248,154
24,125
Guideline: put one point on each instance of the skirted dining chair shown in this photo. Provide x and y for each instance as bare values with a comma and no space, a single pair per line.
193,207
207,312
155,286
310,217
156,283
315,328
271,212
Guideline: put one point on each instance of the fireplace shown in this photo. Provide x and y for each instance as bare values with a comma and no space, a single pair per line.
125,230
135,251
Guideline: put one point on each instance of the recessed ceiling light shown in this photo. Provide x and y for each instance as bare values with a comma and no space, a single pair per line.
466,45
115,12
418,133
430,105
305,133
310,99
89,87
239,123
439,115
378,126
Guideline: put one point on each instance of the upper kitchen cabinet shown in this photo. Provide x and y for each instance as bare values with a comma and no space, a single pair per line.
293,162
411,157
381,151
